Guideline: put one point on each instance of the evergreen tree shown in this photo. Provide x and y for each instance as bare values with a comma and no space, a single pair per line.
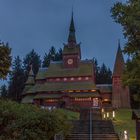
128,15
32,58
103,74
53,55
17,80
4,92
46,60
5,59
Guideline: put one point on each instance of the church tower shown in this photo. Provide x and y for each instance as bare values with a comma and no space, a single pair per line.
120,93
71,51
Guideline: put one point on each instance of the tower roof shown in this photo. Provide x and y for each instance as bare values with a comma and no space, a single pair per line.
30,80
119,62
72,37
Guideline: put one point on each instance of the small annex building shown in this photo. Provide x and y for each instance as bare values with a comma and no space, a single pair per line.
71,82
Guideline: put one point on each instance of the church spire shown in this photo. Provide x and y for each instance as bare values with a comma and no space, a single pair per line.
72,37
30,80
119,62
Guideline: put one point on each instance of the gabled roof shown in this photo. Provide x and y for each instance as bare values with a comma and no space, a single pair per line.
57,70
61,86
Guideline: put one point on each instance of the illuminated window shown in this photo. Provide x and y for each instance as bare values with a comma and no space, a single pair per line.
65,79
79,78
72,79
87,78
93,90
57,79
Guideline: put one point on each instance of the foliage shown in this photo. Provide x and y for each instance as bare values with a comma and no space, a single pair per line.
32,58
128,15
5,60
17,79
123,121
103,74
19,121
52,56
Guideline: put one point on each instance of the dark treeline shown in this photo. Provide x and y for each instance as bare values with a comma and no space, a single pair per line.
21,68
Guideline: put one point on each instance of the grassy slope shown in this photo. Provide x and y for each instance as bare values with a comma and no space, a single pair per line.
71,115
124,122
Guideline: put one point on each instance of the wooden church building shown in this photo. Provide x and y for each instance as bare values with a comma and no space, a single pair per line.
71,82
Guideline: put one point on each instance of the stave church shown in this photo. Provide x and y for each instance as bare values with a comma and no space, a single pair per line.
71,82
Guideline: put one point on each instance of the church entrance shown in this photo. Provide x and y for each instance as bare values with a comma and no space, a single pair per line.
95,103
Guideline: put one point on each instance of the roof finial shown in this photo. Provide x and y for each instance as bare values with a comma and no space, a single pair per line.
72,37
119,44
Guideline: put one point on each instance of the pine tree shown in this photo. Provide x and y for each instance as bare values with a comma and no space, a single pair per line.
5,60
53,55
103,74
4,92
17,80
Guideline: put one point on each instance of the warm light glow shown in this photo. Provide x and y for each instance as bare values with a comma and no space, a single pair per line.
93,90
51,100
70,91
87,78
65,79
113,114
78,91
125,135
106,100
107,114
72,79
103,110
57,79
104,116
79,78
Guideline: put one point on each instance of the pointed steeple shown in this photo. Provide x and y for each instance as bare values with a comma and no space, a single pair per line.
119,62
72,37
30,80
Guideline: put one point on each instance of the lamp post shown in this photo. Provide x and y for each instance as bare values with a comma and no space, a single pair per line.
113,114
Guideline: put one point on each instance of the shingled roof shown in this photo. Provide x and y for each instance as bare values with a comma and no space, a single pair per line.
61,86
73,95
56,70
105,88
119,63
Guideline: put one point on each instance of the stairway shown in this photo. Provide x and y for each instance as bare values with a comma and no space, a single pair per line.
101,129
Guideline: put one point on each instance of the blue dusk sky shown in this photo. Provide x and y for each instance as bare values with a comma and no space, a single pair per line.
40,24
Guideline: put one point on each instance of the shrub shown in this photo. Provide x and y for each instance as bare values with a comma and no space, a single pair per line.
23,122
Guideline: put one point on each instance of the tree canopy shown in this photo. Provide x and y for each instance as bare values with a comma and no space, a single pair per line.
5,60
128,15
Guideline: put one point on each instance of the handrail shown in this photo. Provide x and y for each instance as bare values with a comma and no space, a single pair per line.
90,123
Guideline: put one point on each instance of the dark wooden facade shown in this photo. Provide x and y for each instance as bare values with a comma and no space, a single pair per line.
71,82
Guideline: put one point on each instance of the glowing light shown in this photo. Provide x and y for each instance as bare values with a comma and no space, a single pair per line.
107,114
103,110
125,135
104,116
65,79
93,90
113,114
106,100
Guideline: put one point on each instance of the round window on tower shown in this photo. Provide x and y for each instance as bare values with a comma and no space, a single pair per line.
70,61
